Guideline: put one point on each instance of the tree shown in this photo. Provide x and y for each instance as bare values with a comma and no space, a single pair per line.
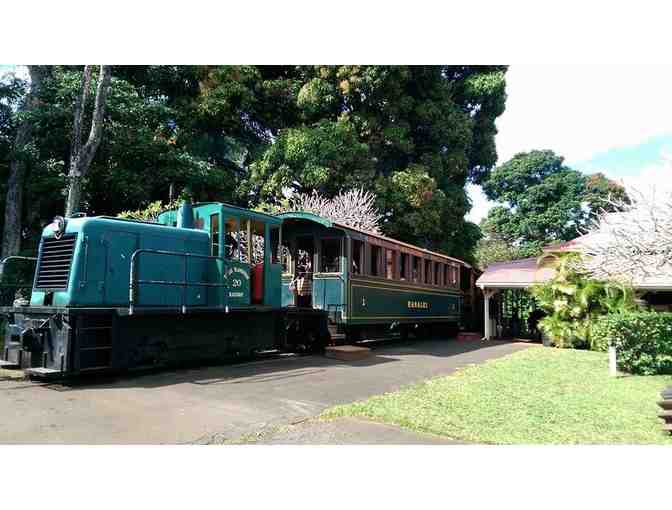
415,134
542,199
354,208
19,159
489,251
82,156
631,239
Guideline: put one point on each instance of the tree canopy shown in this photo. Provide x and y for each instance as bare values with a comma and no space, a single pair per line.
541,200
251,135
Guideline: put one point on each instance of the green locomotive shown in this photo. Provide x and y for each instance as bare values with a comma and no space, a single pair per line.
212,281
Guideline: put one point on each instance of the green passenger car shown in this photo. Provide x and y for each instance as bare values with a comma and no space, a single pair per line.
369,284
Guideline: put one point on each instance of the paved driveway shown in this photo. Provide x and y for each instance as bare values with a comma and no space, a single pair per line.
221,402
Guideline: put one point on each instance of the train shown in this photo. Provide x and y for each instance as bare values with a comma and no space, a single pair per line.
212,281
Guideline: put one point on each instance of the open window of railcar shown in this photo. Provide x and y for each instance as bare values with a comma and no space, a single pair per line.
232,239
243,236
403,266
252,241
214,235
415,271
428,272
357,257
390,263
437,273
330,255
374,260
305,252
444,270
277,246
453,276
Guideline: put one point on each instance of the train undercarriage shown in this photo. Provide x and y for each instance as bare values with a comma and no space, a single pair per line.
49,342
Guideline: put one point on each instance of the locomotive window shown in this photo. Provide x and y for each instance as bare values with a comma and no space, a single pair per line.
258,246
357,258
276,247
232,239
415,275
428,271
286,257
214,235
375,261
436,273
390,259
243,235
403,269
330,256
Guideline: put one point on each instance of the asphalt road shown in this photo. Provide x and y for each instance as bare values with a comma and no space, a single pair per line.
222,403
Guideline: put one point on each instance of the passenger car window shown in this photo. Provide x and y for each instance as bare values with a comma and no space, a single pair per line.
356,257
403,267
375,261
330,256
390,259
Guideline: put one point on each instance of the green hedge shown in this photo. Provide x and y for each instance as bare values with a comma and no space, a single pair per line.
643,340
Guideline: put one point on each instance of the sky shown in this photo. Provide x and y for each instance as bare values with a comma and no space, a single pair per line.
612,119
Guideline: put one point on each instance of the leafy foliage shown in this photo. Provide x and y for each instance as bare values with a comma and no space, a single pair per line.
414,135
643,341
573,302
151,212
489,251
544,200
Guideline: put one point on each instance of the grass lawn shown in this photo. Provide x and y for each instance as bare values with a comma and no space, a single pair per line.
538,395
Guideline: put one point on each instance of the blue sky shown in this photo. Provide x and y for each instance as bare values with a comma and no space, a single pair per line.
611,119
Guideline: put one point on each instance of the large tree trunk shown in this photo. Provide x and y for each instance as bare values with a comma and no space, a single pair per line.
11,235
81,157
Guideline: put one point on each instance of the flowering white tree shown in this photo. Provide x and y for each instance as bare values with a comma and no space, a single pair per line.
635,242
355,208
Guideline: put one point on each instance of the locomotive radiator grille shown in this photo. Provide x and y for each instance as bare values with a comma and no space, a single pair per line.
55,260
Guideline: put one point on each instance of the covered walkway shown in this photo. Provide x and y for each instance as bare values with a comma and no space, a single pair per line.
502,276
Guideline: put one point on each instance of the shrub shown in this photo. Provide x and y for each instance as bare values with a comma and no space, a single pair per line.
643,340
573,302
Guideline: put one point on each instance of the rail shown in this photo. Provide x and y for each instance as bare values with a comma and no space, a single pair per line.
185,284
8,290
13,257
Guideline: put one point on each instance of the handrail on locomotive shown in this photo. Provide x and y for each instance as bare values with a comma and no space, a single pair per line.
134,282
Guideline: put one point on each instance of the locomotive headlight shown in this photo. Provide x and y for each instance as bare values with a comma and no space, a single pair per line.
58,225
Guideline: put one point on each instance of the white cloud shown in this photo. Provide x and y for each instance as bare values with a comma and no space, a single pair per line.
582,111
652,179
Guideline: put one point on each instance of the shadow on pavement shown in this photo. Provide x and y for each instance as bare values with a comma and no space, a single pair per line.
383,352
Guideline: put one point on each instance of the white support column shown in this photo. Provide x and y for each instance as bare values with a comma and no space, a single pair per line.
487,322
